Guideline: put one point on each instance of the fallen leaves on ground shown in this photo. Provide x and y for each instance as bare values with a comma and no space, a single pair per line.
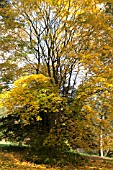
98,163
10,160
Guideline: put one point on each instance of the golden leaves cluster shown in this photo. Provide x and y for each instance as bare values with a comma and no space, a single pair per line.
31,95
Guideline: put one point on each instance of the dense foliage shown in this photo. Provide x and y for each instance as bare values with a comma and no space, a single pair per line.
57,66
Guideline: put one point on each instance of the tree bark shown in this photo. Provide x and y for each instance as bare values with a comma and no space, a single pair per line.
101,144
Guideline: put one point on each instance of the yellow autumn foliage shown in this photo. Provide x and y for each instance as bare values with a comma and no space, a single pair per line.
31,95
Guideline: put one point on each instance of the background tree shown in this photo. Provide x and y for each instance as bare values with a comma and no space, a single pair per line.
96,98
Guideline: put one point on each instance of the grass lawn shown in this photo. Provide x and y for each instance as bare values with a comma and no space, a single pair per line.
11,159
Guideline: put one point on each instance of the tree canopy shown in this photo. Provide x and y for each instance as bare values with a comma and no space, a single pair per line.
64,40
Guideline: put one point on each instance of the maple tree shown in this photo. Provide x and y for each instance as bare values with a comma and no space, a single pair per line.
71,42
32,106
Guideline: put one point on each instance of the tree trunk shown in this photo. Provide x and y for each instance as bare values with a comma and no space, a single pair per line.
101,144
101,137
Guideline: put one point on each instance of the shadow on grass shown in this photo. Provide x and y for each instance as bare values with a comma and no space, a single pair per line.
11,148
4,145
54,157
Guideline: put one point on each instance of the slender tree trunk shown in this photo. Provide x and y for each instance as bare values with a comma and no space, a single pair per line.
101,144
101,138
